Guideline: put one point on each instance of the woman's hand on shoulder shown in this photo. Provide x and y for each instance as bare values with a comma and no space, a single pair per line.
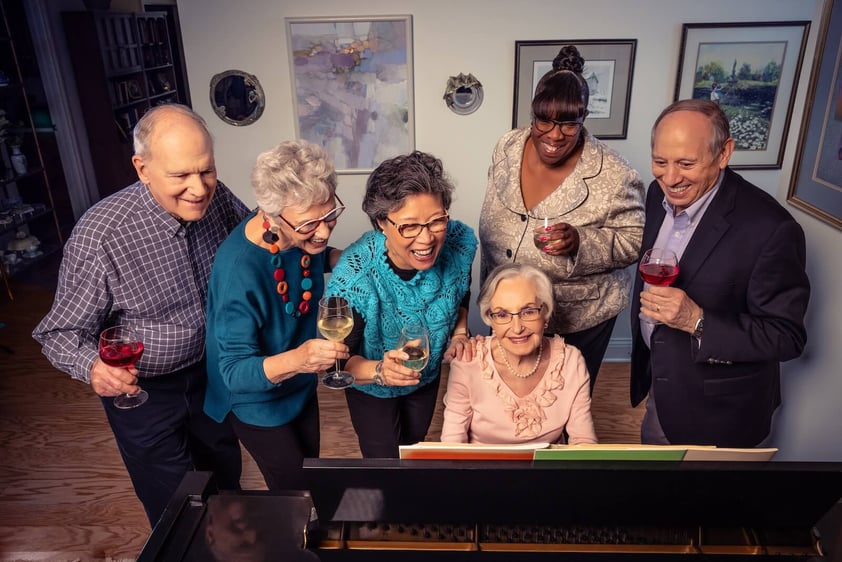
462,348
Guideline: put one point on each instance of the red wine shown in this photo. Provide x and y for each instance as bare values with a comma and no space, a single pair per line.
658,274
121,354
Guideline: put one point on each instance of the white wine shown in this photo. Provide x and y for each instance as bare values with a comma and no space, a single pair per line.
335,328
417,357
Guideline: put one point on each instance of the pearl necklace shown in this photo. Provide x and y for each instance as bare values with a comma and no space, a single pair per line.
509,367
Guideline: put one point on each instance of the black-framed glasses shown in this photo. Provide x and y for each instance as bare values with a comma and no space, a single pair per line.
412,230
309,226
567,128
527,314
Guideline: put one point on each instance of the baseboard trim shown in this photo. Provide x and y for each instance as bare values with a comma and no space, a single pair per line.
619,351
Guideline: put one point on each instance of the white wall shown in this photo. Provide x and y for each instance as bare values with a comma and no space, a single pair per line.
478,36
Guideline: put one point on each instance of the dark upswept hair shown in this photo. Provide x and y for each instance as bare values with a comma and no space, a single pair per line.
562,93
395,179
711,110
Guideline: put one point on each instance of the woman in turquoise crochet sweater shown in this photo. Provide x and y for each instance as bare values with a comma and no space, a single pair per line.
413,268
263,296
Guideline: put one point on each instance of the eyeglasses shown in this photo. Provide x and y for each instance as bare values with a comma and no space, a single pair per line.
528,314
309,226
567,128
411,230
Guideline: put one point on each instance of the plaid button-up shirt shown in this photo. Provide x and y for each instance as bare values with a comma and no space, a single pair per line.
128,261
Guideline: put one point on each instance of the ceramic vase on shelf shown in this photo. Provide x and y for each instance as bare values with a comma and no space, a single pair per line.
18,160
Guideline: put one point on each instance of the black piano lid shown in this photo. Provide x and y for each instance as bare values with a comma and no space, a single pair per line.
745,494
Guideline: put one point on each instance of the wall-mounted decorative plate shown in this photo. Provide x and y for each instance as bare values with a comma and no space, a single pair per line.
463,94
237,97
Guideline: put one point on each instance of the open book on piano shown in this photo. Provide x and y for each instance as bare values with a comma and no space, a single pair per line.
599,452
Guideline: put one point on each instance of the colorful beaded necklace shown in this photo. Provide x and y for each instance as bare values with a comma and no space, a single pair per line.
271,237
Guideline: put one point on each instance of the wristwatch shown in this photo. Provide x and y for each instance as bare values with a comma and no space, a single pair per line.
699,327
378,378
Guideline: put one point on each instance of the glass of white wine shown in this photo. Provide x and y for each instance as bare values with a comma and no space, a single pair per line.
415,342
335,322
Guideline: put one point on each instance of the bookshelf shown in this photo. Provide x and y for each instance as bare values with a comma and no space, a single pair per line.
29,224
123,65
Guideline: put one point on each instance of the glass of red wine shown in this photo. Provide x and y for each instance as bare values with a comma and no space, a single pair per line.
120,346
658,267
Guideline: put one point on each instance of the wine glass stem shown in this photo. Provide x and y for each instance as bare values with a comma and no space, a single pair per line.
337,365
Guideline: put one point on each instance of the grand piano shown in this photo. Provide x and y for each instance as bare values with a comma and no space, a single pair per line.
407,510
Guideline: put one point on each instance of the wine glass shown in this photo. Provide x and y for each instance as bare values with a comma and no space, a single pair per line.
415,342
658,267
120,346
541,232
335,323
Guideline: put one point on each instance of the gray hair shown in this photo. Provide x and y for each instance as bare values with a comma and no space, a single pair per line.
146,126
711,110
543,287
395,179
295,173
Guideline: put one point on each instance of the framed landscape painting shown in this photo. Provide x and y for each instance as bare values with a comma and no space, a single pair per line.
816,184
751,70
609,65
352,87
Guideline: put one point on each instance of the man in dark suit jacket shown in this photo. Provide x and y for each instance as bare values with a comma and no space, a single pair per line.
711,367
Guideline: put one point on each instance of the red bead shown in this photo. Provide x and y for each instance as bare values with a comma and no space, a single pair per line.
280,274
304,307
284,298
306,273
266,225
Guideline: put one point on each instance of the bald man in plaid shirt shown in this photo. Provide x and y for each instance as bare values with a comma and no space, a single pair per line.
142,257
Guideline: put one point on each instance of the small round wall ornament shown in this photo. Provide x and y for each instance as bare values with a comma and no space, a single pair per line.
463,94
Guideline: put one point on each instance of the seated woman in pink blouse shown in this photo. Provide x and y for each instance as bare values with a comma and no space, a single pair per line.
519,387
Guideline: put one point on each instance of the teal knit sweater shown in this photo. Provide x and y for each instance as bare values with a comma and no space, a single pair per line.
387,303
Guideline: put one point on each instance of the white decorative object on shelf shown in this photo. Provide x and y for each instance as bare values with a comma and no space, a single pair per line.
18,160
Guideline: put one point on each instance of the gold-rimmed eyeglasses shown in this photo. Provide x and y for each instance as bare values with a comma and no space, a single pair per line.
309,226
567,128
526,314
412,230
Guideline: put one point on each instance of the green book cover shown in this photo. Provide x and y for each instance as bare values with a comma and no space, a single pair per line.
609,454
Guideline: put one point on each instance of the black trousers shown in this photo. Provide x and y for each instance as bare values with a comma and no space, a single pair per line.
593,343
383,424
280,451
169,435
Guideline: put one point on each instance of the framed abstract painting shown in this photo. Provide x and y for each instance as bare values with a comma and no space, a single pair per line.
352,87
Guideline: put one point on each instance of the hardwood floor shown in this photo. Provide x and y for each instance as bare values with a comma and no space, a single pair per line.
64,493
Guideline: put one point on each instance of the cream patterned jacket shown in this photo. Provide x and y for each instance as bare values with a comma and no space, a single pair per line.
602,198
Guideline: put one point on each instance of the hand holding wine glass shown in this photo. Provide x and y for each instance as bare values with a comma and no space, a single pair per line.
658,267
335,322
558,239
415,342
120,346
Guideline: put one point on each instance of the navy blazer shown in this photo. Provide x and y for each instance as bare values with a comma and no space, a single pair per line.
745,266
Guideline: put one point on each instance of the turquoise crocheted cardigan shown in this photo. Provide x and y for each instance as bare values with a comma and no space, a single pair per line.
387,303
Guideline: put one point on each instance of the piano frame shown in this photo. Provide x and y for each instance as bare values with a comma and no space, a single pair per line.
737,510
